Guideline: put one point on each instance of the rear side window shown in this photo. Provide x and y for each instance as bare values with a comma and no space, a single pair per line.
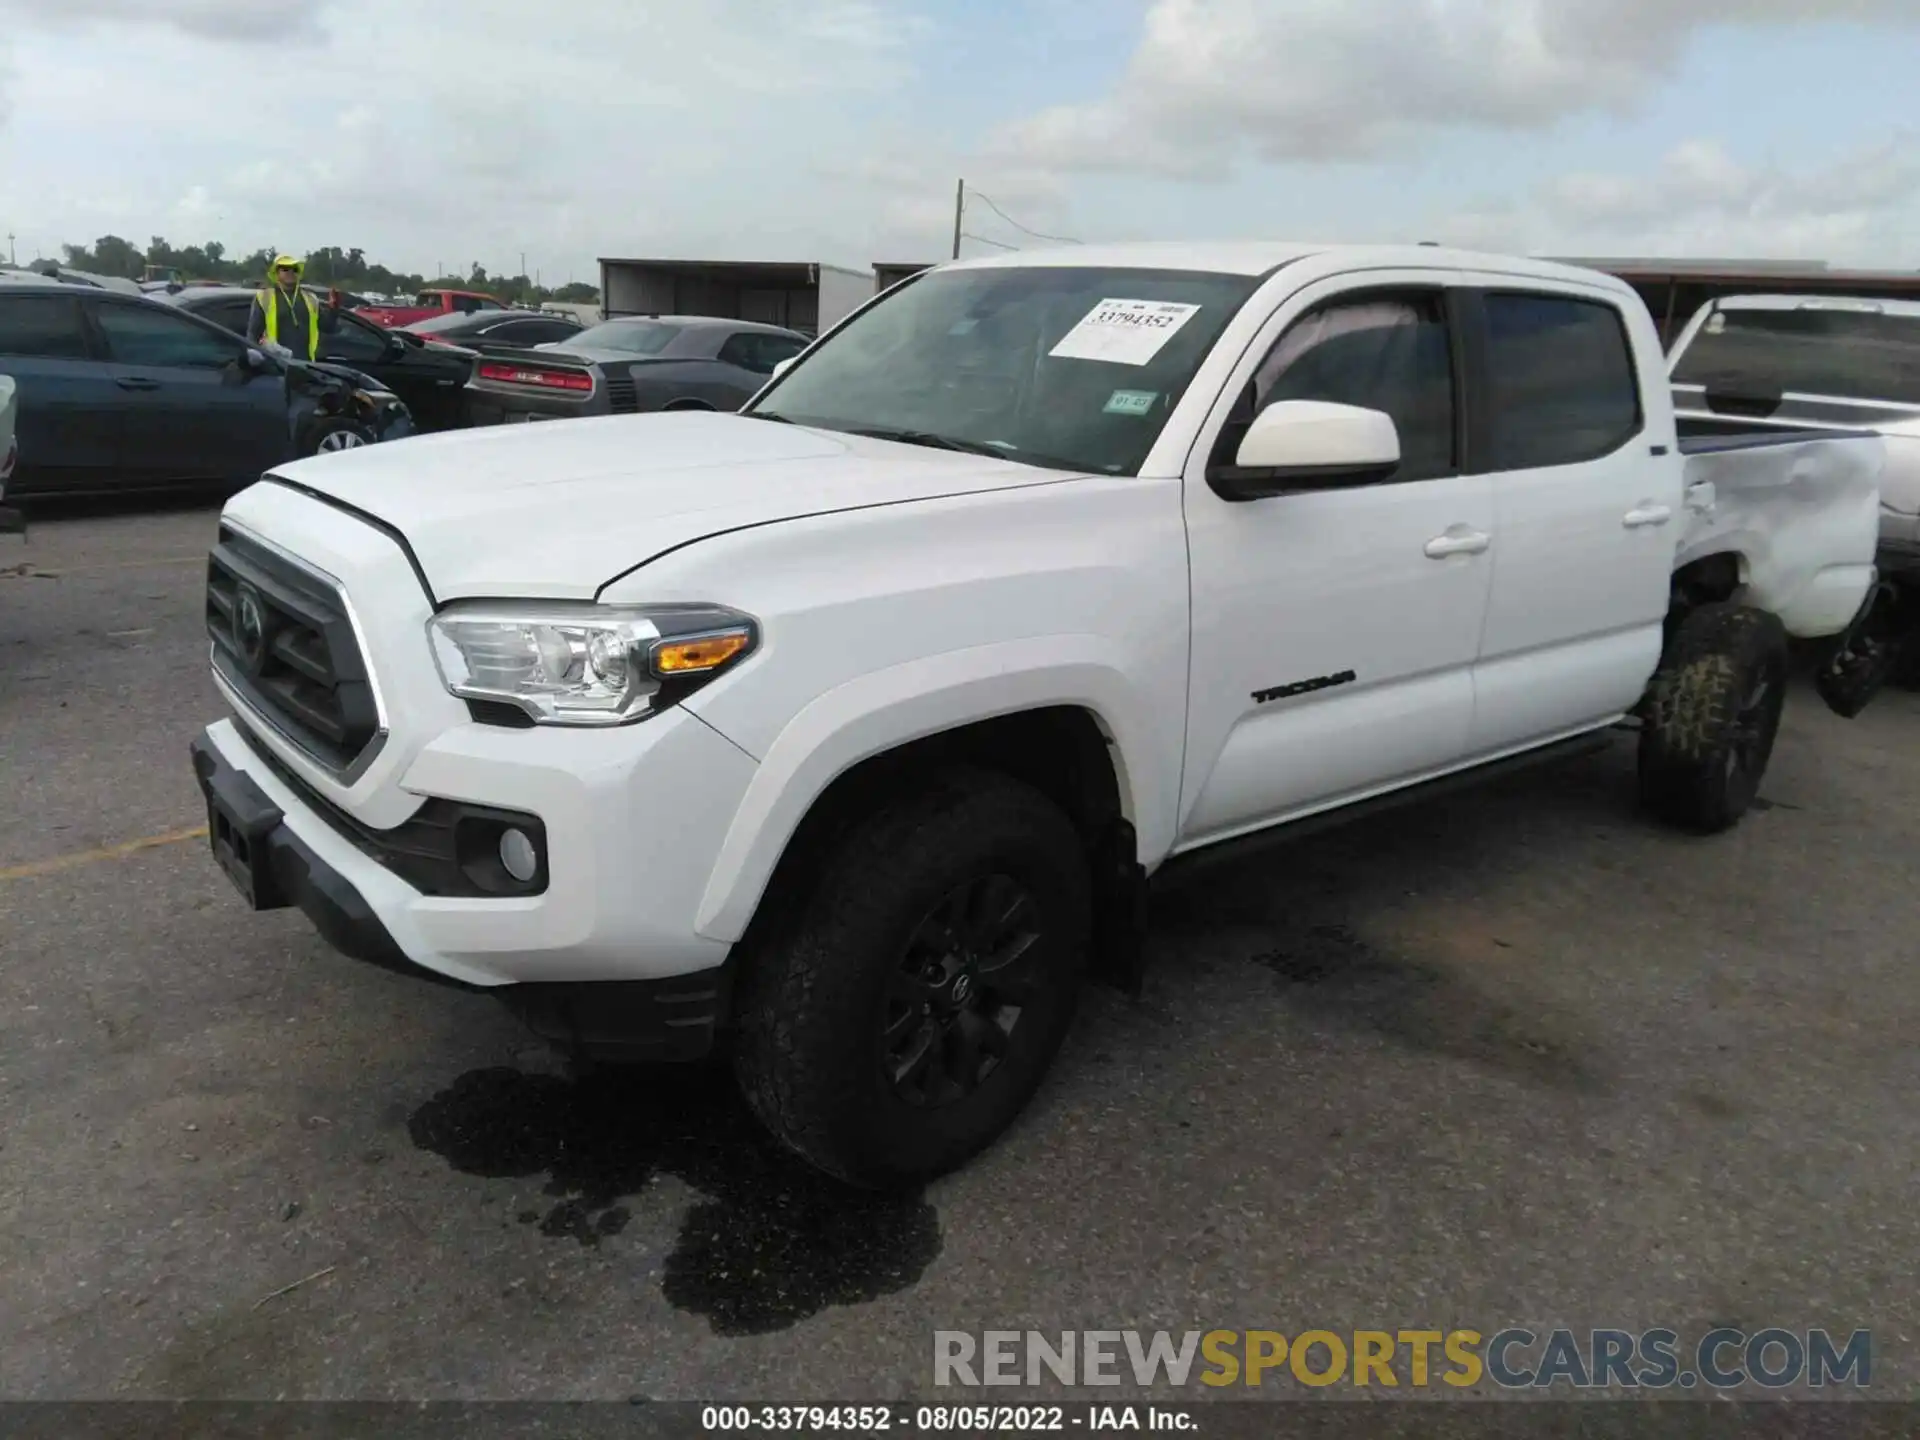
42,327
1561,381
1840,354
758,353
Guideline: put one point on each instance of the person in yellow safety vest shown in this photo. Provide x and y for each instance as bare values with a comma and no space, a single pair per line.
283,309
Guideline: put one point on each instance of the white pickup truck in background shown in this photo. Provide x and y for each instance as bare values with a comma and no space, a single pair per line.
845,732
1767,364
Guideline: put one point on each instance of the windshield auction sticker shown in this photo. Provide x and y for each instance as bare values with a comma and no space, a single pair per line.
1124,332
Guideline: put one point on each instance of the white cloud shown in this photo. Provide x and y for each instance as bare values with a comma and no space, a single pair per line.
246,21
1216,81
450,130
1862,207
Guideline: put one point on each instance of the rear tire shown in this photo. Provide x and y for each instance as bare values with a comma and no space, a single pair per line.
908,1013
1711,717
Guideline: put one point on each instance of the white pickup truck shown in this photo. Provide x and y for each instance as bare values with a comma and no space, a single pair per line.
845,732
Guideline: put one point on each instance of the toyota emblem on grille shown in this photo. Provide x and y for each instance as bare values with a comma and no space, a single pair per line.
250,629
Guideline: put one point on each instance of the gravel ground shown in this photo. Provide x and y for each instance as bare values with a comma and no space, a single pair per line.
1511,1059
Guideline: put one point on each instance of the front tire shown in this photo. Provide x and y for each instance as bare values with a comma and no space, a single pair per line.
337,433
909,1012
1711,717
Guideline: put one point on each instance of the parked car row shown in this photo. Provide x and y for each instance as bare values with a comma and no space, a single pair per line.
429,379
121,391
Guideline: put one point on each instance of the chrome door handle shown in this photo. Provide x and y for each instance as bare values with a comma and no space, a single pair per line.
1462,542
1647,515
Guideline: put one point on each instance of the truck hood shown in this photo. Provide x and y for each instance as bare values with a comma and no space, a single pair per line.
557,510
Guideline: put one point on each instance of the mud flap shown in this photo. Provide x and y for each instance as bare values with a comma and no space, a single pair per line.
1856,664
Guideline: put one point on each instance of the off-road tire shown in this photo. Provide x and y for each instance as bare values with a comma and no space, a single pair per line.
1711,716
807,1050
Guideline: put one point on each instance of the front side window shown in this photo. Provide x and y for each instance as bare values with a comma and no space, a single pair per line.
1562,388
1070,367
1380,352
42,327
1837,354
140,335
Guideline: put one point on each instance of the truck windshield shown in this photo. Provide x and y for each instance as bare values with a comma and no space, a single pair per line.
1070,367
1841,354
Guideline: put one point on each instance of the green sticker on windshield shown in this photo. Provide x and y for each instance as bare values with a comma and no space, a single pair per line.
1131,402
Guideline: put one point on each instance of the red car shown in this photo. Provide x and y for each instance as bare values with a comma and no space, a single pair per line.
427,304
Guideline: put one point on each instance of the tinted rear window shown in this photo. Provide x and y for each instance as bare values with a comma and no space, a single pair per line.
1563,384
1848,355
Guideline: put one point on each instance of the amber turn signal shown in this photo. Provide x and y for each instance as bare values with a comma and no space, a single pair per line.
699,653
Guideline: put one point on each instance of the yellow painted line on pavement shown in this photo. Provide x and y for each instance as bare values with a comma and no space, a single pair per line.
106,852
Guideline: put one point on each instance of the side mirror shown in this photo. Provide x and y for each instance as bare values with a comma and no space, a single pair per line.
1309,445
781,368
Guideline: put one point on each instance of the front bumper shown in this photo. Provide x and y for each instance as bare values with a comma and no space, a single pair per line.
632,821
260,846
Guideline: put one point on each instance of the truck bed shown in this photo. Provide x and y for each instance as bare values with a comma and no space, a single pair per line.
1803,507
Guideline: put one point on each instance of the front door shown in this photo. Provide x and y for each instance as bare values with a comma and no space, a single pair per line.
1334,631
1585,517
191,410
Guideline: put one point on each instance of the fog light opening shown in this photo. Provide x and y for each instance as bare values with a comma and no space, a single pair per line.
518,856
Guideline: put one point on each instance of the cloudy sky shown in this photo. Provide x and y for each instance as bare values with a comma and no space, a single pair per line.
449,131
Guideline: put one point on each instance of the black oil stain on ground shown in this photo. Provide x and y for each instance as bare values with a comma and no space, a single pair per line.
772,1243
1335,975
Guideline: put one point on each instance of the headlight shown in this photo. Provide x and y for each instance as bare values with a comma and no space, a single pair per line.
586,664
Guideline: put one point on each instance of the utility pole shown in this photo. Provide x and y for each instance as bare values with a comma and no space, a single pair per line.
959,209
12,259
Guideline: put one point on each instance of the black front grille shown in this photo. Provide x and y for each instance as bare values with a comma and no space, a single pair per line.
282,639
623,396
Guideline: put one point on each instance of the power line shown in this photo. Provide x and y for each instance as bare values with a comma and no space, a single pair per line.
1036,234
999,244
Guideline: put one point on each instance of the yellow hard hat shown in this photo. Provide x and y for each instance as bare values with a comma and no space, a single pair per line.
287,262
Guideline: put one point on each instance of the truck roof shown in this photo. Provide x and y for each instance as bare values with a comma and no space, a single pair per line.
1258,257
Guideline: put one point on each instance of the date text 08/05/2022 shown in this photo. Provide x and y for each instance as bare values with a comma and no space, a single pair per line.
942,1419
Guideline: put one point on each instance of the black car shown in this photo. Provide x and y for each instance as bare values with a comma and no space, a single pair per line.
430,379
665,362
495,329
120,392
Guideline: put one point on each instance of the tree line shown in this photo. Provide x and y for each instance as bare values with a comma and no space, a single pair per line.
329,266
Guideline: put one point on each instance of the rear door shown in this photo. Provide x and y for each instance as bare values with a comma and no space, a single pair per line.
1587,508
1335,630
67,400
192,411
